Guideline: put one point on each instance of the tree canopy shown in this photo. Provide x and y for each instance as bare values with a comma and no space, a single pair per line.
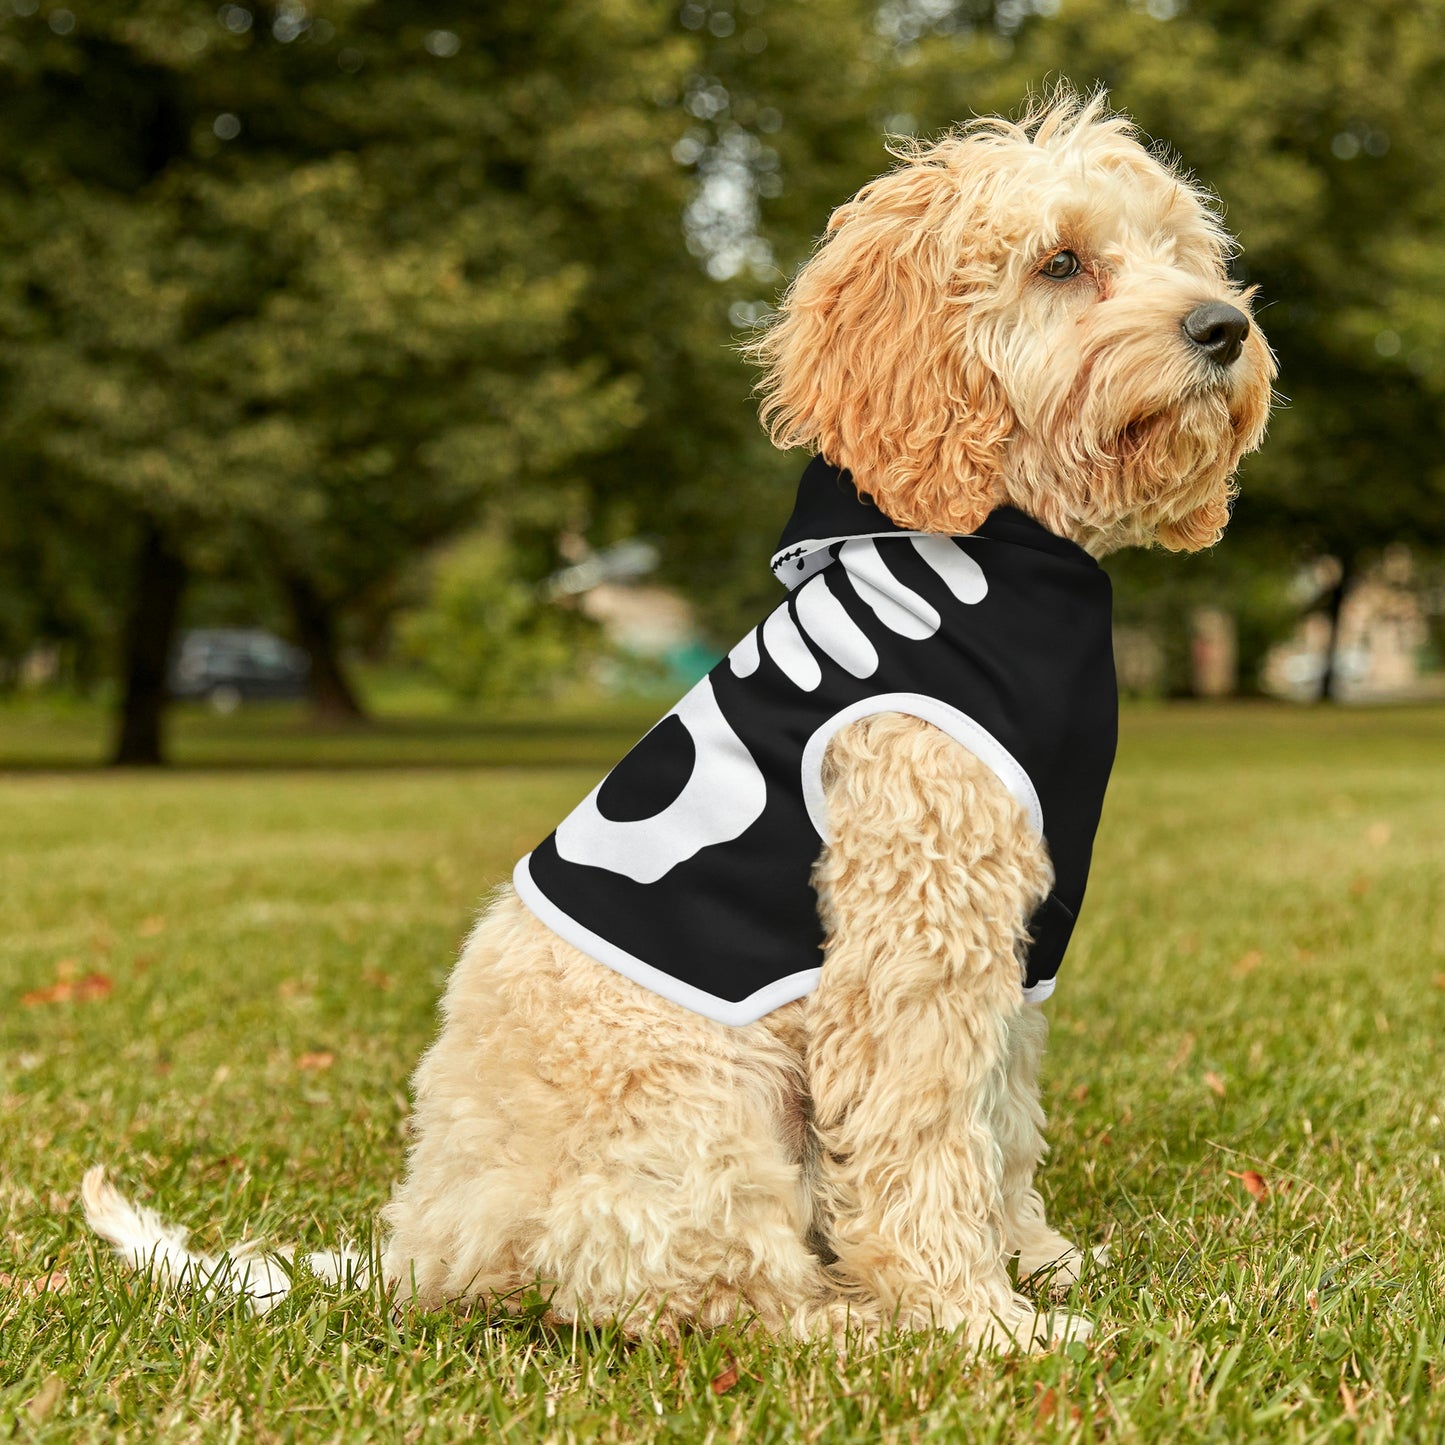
301,290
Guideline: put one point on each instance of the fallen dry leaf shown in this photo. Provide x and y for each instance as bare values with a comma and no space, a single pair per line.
1254,1183
45,1399
320,1059
1359,886
151,927
56,1282
1080,1094
1248,963
81,990
1214,1083
1440,980
1377,834
1347,1399
1181,1054
377,978
1046,1407
56,993
724,1382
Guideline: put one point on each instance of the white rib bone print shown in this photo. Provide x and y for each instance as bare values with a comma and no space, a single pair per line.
962,575
827,624
786,647
743,659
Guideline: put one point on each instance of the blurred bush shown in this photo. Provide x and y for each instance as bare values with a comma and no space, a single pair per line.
487,634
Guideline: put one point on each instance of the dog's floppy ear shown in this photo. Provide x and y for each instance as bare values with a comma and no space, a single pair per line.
872,359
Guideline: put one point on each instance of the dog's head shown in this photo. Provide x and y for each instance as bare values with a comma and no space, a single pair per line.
1034,313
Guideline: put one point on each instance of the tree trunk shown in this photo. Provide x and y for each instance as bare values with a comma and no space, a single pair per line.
150,631
333,699
1329,678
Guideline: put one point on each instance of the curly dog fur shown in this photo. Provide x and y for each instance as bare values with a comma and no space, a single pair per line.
865,1156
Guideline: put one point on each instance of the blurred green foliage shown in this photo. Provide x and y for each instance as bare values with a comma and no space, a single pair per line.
485,633
304,289
312,292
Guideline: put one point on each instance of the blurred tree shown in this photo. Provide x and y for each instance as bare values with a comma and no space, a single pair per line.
59,574
323,284
326,283
302,282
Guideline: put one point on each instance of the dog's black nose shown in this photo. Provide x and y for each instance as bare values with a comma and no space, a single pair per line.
1218,331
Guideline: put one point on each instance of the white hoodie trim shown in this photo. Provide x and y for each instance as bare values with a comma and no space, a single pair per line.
720,1010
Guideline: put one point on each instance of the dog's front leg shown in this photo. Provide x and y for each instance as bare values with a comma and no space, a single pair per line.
924,890
1042,1251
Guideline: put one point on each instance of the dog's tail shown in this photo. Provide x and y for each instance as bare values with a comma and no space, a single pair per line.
147,1243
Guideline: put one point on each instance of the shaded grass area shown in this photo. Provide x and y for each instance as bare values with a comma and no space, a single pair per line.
230,974
406,730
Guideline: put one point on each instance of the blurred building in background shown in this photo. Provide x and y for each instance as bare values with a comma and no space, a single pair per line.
1382,650
653,633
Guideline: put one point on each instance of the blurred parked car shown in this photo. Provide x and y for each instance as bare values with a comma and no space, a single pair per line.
230,665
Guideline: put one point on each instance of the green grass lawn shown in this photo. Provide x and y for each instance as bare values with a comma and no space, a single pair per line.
216,980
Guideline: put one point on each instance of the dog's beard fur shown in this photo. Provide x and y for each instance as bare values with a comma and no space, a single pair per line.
1124,437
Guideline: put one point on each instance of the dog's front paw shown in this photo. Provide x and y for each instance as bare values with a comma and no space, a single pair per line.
1061,1327
1057,1266
1023,1326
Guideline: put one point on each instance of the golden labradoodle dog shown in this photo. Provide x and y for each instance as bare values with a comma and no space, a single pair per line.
1017,351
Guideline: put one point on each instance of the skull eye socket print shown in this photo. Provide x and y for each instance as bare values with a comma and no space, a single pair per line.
724,795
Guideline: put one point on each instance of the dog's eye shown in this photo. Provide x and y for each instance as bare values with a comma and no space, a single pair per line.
1060,266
